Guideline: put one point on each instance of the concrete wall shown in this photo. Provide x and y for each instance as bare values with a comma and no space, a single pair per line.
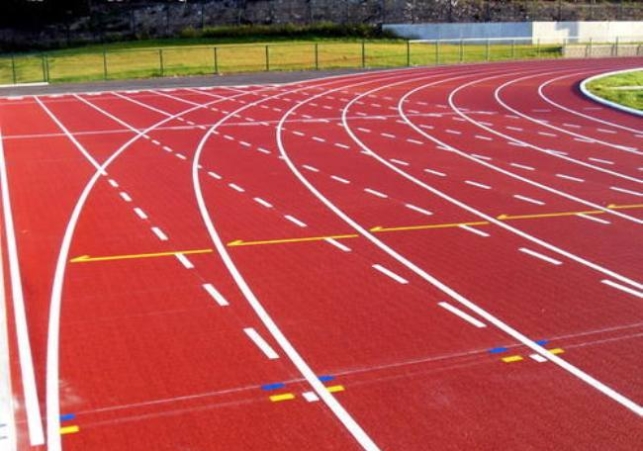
536,31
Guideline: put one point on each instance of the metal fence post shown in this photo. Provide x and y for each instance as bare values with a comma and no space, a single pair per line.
161,62
267,58
513,49
408,53
486,52
461,50
13,69
104,64
538,48
316,56
45,68
216,60
363,54
437,52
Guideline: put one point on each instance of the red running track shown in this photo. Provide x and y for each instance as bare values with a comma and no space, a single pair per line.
444,258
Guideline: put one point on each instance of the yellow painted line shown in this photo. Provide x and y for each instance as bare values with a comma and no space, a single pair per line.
335,388
624,207
556,350
88,258
69,430
380,229
512,358
290,240
283,397
549,215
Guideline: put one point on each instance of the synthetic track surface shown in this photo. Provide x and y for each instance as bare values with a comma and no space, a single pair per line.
445,258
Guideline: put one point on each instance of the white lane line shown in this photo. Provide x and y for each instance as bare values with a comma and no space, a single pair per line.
236,187
339,179
125,196
553,261
465,316
551,135
365,130
214,175
600,160
481,157
261,343
310,168
529,199
391,274
159,233
418,209
522,166
342,146
477,185
167,149
295,221
438,173
604,130
32,404
140,213
388,135
375,193
228,137
593,218
583,140
618,286
453,132
571,125
260,201
214,293
400,162
626,191
516,144
262,150
156,142
569,177
516,129
318,139
337,244
474,230
113,183
538,358
245,143
185,261
414,141
484,138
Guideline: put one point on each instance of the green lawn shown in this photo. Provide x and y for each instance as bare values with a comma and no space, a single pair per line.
625,89
122,61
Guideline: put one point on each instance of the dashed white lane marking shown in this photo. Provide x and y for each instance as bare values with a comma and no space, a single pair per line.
484,138
140,213
626,191
388,135
159,233
522,166
214,293
261,343
185,261
438,173
465,316
477,185
516,144
399,162
571,125
337,244
236,187
414,141
473,230
600,160
541,110
319,139
540,256
342,146
181,156
310,396
295,221
418,209
214,175
583,140
453,132
516,129
245,143
538,358
113,182
154,141
391,274
167,149
481,157
310,168
262,150
548,134
260,201
339,179
623,288
375,193
228,137
529,199
427,126
365,130
569,177
593,218
125,196
605,130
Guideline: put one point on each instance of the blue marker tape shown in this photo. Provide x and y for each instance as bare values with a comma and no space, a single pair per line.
326,378
275,386
542,342
498,350
68,416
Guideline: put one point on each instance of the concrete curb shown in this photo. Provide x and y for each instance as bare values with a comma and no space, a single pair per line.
595,98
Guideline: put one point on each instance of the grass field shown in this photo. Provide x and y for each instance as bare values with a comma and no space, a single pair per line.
122,61
625,89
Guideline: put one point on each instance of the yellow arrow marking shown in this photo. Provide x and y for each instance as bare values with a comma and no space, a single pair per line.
426,226
290,240
87,258
624,207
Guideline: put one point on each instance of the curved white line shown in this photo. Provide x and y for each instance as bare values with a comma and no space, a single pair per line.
595,98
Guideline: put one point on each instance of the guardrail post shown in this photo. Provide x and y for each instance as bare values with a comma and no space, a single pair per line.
316,56
408,53
267,58
363,54
216,60
45,68
161,62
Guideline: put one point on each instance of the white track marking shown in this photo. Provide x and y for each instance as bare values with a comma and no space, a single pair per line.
626,191
593,218
529,199
477,185
32,404
342,146
600,160
214,175
515,129
483,138
438,173
262,150
605,130
236,187
418,209
125,196
535,254
310,396
391,274
159,233
185,261
481,157
319,139
569,177
618,286
181,156
245,144
400,162
158,143
295,221
7,418
550,135
375,193
167,149
113,183
340,179
388,135
474,230
261,343
337,244
538,358
453,132
310,168
571,125
414,141
465,316
365,130
214,293
260,201
522,166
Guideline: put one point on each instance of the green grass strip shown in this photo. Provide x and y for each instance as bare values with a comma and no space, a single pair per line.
625,89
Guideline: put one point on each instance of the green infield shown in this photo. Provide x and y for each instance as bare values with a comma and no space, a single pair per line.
625,89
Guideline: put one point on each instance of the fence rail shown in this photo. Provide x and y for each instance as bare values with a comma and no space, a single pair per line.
207,60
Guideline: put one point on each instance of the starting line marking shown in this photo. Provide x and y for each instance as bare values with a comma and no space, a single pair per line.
69,430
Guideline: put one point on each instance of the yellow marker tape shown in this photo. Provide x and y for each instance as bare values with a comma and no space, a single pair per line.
556,351
283,397
335,388
512,358
69,430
